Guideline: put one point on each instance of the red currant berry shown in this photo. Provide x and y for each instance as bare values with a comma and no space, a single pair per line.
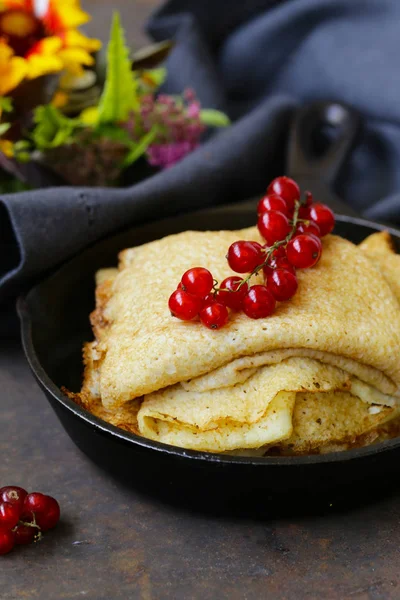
258,302
304,251
14,495
278,260
183,305
50,516
279,263
9,515
24,534
282,263
287,189
259,246
214,316
309,199
282,284
179,286
34,503
279,251
304,212
6,541
197,281
234,297
323,217
308,227
209,299
273,226
244,257
272,202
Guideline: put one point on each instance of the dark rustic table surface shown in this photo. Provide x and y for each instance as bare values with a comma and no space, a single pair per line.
115,542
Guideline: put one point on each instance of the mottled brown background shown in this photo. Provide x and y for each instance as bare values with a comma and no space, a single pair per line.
133,14
116,544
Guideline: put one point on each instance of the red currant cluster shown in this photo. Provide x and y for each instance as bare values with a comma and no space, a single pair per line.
23,516
292,228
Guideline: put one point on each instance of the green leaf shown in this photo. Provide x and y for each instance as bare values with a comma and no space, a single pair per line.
140,148
4,127
120,90
89,116
214,118
22,145
157,76
5,104
113,132
23,157
52,129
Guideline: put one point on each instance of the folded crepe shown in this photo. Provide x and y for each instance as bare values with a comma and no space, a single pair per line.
321,373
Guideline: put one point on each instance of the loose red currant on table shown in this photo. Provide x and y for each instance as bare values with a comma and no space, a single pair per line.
9,515
287,189
49,517
304,251
258,302
183,305
24,516
44,509
272,202
24,534
323,217
244,257
35,503
282,284
14,495
214,316
197,281
231,294
6,541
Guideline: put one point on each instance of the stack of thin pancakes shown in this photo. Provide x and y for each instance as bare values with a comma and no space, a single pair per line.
321,374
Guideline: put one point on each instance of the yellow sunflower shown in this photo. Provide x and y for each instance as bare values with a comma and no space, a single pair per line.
7,148
38,37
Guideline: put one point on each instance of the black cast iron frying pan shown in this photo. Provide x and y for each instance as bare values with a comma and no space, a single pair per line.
54,317
54,324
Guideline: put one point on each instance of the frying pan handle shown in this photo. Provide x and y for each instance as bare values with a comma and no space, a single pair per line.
321,136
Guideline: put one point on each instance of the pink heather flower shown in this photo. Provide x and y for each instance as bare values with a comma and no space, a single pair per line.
167,100
148,99
178,124
130,124
193,110
189,94
166,155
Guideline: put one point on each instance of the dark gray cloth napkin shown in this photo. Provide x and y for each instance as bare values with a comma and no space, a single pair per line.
257,60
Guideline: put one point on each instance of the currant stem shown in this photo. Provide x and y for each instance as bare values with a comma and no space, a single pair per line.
294,222
29,524
38,534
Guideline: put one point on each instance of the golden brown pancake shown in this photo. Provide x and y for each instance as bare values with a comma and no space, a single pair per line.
241,387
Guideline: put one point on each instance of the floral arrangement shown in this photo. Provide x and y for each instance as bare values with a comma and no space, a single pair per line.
39,38
129,121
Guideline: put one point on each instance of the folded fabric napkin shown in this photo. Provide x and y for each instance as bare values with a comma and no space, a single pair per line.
256,60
